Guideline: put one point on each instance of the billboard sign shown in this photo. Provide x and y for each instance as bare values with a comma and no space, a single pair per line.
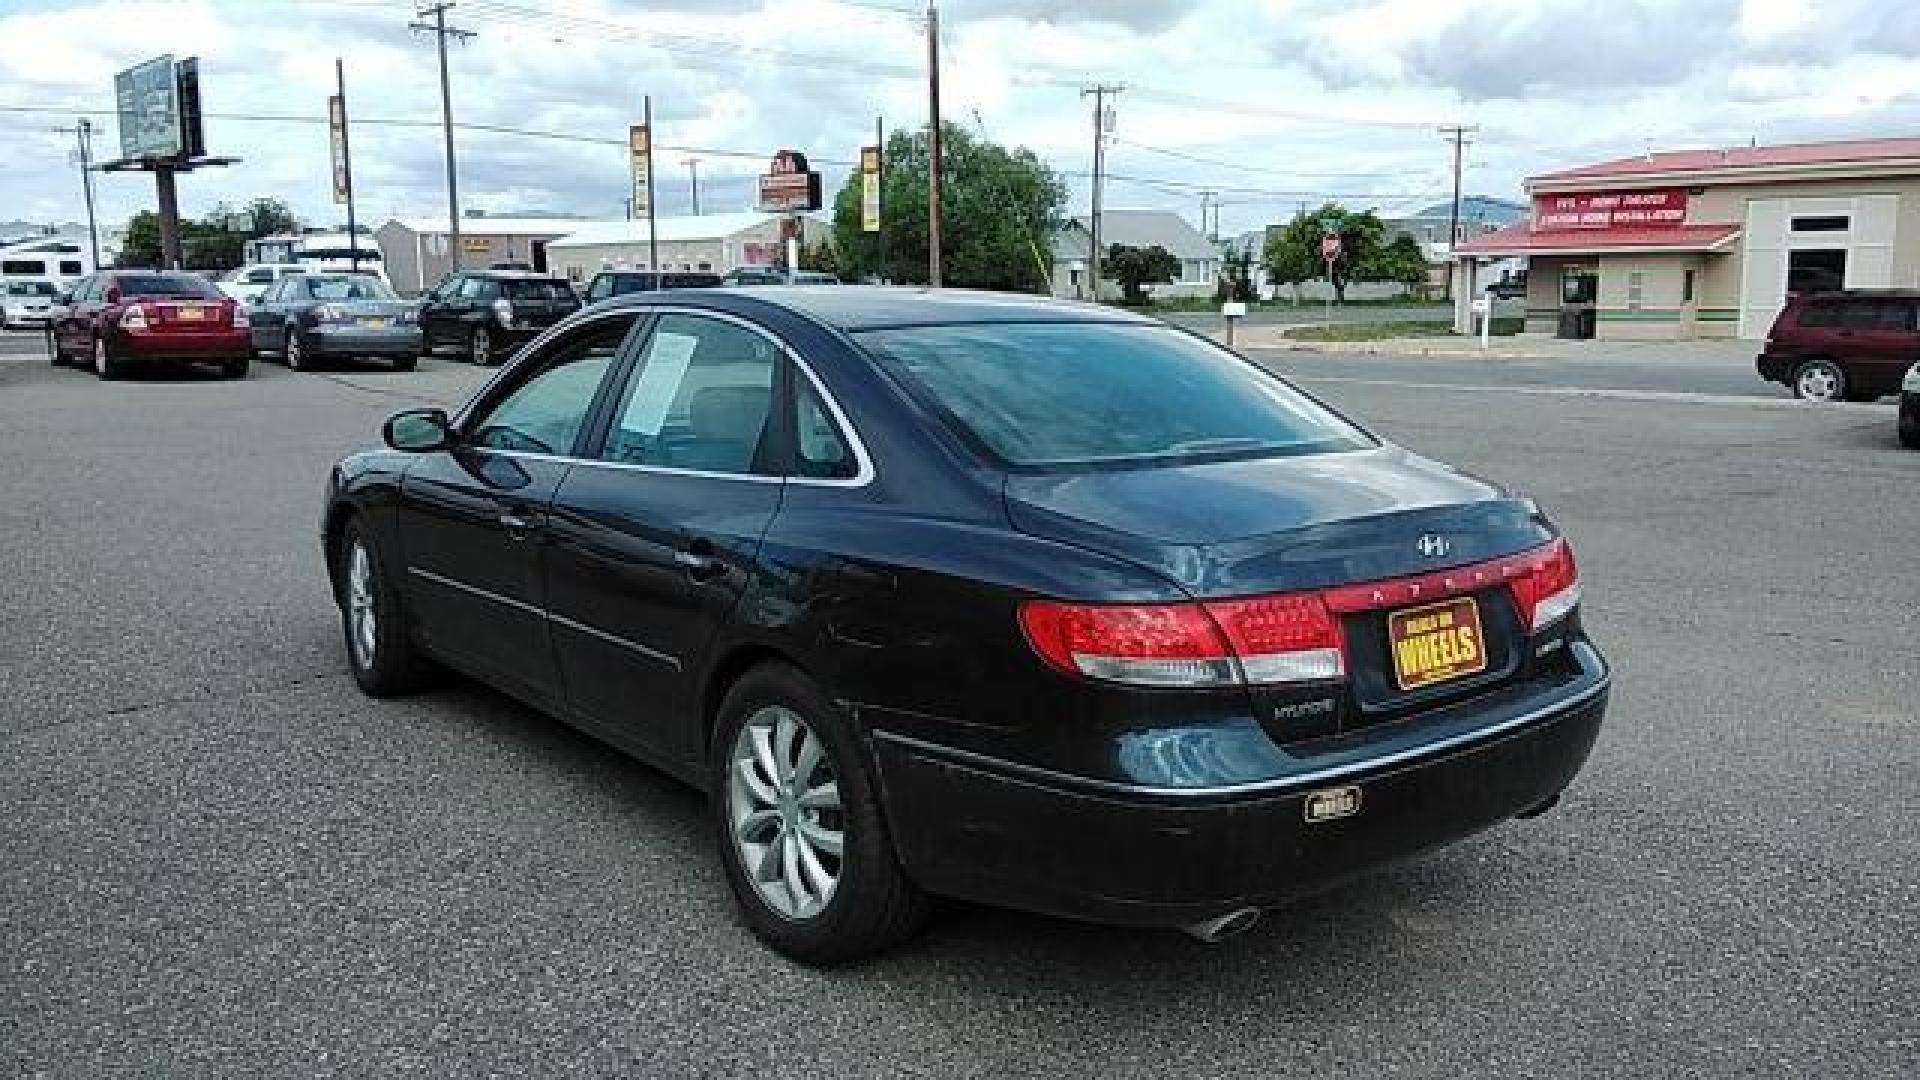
1659,208
870,189
147,98
791,187
640,150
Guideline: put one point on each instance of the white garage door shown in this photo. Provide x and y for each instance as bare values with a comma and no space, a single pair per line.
1763,266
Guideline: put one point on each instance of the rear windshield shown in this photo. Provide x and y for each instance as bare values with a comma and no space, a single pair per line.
1064,395
167,285
536,290
348,287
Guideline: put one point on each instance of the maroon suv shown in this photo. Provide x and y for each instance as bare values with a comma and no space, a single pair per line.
1854,345
122,318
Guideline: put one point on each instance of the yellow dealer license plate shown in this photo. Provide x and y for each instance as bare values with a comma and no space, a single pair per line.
1437,642
374,322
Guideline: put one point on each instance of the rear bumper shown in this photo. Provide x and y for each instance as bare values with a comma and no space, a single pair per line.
222,344
1776,367
973,828
394,341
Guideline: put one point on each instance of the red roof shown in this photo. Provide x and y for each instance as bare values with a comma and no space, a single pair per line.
1857,151
1521,239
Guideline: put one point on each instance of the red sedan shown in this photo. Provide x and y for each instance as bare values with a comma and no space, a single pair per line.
121,319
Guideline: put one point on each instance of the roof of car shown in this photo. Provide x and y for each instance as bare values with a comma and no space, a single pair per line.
874,307
1849,294
512,275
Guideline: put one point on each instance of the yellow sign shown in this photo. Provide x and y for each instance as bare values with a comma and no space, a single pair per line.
640,149
1435,643
870,188
475,245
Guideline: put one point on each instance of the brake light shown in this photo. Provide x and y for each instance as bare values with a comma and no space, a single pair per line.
134,318
1548,586
241,320
1142,644
1285,638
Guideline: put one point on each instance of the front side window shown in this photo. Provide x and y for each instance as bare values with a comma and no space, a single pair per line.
1079,395
23,266
545,412
260,276
69,267
1820,315
699,399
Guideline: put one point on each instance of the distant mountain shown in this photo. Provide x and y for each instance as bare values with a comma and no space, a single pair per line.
1481,208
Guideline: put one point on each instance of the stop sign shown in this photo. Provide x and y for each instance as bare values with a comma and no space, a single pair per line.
1330,246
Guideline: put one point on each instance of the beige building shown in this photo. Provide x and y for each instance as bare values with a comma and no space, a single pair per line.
710,242
1706,243
418,252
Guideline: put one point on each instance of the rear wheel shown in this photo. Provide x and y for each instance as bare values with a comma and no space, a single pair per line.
405,363
236,368
801,834
1819,380
380,649
480,347
105,365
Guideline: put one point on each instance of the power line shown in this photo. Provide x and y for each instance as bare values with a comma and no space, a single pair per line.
1216,163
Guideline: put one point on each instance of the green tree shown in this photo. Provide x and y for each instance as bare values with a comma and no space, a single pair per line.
270,217
1136,267
141,244
1401,261
820,256
1287,261
1298,245
1236,274
998,209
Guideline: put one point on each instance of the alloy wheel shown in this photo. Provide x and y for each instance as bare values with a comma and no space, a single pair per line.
1817,382
362,622
100,363
784,813
482,347
296,358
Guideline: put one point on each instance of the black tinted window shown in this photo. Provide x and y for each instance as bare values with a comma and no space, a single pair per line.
544,414
699,399
167,285
1820,314
1064,394
1860,314
347,287
535,290
1895,315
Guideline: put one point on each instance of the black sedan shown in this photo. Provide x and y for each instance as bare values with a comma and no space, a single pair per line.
1036,604
305,317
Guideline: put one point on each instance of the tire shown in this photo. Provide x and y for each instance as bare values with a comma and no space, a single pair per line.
236,368
405,363
1819,380
480,347
105,365
1910,428
292,352
54,355
860,902
382,656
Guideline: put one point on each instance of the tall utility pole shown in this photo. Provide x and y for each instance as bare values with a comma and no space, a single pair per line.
693,173
83,155
933,145
346,161
1102,124
1457,134
441,31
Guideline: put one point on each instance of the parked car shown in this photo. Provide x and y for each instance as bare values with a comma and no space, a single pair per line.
305,317
1910,408
945,594
122,319
774,275
1513,288
1853,345
608,283
248,283
487,314
26,303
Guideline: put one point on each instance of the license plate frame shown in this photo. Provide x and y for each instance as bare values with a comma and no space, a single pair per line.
374,322
190,313
1429,640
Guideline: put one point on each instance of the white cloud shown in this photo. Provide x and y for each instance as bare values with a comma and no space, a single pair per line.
1551,82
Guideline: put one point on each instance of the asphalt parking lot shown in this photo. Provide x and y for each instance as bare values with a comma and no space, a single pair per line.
218,858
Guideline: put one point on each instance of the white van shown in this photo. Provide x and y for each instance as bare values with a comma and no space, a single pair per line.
248,283
48,258
26,303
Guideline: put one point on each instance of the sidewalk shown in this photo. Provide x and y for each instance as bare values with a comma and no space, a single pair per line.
1735,352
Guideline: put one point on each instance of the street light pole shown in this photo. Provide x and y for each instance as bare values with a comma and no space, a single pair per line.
693,172
933,145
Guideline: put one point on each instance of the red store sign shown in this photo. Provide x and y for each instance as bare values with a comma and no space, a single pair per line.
1663,208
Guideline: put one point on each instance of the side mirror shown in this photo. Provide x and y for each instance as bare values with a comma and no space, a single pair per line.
418,431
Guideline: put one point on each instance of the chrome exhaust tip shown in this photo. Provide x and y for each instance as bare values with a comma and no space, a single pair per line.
1222,927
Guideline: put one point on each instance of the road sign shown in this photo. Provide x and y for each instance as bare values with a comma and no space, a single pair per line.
1330,247
337,128
147,98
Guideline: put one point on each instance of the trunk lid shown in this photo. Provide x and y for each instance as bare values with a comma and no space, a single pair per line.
1279,524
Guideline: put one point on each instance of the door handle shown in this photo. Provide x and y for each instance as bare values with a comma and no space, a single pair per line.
699,560
517,523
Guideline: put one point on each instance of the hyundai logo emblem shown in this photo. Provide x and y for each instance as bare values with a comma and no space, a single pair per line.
1433,545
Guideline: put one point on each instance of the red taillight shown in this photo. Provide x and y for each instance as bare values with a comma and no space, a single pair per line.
1286,637
134,318
241,320
1143,644
1548,586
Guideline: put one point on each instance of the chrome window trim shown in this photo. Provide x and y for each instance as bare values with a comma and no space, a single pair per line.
863,473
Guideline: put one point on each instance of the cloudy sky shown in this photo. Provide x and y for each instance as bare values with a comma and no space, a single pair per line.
1267,102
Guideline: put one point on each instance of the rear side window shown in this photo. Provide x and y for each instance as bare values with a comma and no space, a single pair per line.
1818,315
535,290
1894,315
167,285
601,288
1067,395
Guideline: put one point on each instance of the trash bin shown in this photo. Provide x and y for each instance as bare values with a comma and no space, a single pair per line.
1569,326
